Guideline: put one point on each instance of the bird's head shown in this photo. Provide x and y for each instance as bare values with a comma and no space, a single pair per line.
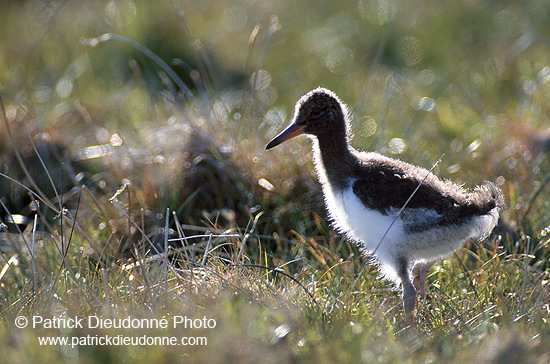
319,112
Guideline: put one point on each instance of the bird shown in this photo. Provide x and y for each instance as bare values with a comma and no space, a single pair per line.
402,214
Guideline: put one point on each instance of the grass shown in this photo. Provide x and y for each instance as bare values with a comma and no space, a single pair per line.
134,181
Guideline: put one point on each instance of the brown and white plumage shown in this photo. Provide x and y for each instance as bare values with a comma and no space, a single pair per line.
402,213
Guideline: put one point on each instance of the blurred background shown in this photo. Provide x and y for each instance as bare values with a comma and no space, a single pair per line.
173,101
134,178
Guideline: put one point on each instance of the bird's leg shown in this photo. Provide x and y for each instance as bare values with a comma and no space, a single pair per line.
419,273
409,299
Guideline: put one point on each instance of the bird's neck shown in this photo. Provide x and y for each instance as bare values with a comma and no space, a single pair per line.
333,158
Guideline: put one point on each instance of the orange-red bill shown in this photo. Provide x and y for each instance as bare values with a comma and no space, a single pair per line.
293,130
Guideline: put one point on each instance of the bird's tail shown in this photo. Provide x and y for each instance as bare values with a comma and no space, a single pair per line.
488,201
484,199
488,196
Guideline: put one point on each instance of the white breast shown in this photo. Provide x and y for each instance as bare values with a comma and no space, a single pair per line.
378,233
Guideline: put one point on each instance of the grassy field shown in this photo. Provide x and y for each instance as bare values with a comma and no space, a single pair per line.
136,195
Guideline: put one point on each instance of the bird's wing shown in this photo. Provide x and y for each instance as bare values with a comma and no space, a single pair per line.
387,189
382,188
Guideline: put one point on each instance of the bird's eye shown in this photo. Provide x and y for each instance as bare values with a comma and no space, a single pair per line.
315,112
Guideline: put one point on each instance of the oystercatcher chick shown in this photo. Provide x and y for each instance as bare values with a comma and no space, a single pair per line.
403,214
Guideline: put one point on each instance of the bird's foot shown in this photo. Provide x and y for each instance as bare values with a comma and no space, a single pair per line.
419,273
409,302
